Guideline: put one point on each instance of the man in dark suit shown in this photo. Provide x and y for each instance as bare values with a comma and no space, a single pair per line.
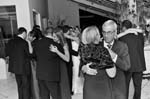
48,66
119,53
17,50
135,44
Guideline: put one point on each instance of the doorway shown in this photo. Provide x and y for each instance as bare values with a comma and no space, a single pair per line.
36,18
88,18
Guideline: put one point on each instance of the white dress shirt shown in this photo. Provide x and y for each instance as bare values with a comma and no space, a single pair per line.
106,46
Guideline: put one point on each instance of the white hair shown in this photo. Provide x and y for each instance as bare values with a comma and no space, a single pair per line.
110,22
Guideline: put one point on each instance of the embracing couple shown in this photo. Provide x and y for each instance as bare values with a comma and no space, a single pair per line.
103,63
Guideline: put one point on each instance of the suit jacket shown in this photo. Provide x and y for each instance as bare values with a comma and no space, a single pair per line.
135,45
71,52
18,51
122,64
48,63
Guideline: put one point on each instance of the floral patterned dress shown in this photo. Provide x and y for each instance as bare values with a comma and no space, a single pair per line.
97,54
96,86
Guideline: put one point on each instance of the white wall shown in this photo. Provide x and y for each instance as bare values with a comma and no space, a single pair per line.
65,9
22,11
41,6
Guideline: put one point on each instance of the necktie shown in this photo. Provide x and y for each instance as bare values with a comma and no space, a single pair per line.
109,46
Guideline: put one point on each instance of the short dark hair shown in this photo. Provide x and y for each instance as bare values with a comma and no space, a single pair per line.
127,24
66,28
21,30
32,33
49,30
36,27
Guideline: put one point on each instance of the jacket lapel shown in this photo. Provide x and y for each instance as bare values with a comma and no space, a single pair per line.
114,47
103,42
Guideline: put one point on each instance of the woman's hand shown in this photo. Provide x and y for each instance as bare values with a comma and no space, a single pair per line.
112,54
53,48
86,69
65,56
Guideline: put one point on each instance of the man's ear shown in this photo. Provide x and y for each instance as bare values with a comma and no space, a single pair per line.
115,36
115,32
124,28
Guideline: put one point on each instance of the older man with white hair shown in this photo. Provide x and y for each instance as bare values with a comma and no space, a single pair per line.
119,53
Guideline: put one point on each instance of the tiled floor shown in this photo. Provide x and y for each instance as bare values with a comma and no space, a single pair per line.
8,90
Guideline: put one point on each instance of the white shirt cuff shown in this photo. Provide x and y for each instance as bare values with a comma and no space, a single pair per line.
115,59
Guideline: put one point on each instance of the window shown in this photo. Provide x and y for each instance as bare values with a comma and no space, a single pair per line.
8,26
8,22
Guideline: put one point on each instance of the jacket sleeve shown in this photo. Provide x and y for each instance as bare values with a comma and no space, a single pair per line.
123,59
8,48
29,55
73,52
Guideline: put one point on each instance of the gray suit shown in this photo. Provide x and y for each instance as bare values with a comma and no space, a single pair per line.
122,64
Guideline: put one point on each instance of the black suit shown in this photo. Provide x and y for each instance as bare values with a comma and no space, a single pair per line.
48,68
136,52
70,63
19,63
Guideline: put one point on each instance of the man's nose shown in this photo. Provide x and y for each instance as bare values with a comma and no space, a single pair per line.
106,34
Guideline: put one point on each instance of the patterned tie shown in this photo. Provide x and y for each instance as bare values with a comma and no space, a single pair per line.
109,46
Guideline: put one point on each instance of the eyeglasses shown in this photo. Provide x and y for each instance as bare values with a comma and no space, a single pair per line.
148,25
108,33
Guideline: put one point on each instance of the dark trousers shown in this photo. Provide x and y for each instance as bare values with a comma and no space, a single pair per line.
49,88
23,84
70,73
137,82
118,95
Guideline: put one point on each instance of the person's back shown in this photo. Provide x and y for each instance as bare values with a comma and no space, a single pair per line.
136,51
141,51
47,62
135,45
18,52
19,59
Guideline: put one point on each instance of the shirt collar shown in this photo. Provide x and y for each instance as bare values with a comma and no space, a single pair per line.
105,44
